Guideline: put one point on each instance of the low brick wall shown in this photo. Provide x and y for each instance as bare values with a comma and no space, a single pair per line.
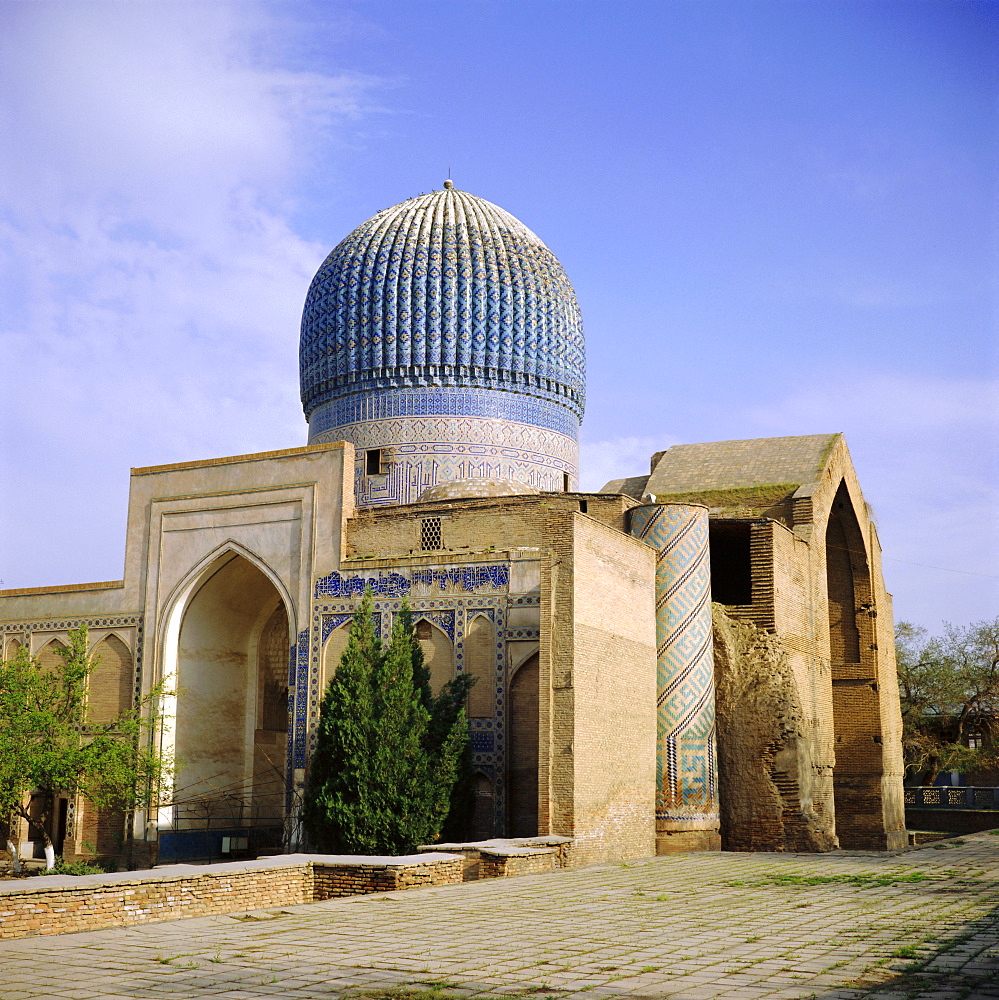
482,858
508,861
58,904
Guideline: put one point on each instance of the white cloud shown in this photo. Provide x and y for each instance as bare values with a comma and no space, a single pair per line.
153,281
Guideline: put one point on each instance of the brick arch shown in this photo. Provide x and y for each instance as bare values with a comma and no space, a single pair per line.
522,750
109,687
49,657
857,773
438,652
480,663
848,579
333,649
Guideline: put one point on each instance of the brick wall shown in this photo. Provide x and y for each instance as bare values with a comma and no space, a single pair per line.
475,524
614,681
516,861
60,904
817,584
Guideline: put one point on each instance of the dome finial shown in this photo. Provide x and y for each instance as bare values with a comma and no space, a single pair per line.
449,184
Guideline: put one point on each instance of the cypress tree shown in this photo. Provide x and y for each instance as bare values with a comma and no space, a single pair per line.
446,715
375,786
339,811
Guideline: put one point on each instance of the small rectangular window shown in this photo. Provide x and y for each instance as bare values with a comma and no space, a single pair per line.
731,562
373,461
583,505
566,482
430,533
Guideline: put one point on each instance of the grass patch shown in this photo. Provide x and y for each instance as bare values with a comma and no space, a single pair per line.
757,497
863,880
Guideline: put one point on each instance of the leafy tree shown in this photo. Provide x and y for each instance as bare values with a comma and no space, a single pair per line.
374,785
49,748
949,687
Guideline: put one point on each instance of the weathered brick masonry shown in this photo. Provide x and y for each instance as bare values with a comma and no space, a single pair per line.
60,904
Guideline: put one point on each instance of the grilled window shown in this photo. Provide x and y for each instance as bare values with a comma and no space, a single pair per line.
430,533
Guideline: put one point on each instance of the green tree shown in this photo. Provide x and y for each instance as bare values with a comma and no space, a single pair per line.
374,787
446,710
949,689
49,748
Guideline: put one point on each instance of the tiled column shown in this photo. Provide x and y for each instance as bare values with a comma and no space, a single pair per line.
687,790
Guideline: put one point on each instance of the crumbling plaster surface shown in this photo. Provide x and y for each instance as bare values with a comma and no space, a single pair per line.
769,801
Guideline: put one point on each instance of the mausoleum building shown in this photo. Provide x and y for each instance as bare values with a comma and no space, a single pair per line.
443,380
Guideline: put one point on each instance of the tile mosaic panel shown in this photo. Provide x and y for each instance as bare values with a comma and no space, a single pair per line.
468,577
686,766
458,402
422,451
443,289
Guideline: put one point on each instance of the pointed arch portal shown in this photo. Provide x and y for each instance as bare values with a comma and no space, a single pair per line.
230,711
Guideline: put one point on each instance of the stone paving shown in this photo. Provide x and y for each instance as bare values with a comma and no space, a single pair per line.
919,924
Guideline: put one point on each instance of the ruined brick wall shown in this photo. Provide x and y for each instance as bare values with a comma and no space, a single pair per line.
61,904
817,585
764,747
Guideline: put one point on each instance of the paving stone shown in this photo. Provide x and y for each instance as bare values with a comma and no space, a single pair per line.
572,935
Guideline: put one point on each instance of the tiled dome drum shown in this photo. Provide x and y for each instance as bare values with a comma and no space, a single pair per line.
443,338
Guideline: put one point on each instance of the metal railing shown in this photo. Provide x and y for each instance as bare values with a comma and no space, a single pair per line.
952,797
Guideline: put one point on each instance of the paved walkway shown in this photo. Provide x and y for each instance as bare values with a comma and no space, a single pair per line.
841,926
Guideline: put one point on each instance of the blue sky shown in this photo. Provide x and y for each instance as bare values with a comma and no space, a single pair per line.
780,218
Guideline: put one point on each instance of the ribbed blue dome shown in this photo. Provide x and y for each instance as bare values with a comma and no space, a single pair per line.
446,290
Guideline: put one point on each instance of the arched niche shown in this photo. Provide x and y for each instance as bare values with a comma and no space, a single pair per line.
50,657
480,663
12,648
438,652
333,650
847,578
859,766
522,751
109,687
230,726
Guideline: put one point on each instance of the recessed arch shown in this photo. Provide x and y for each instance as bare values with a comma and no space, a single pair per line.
226,643
96,636
438,651
333,650
480,662
109,686
854,670
848,583
521,657
522,741
49,656
202,570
